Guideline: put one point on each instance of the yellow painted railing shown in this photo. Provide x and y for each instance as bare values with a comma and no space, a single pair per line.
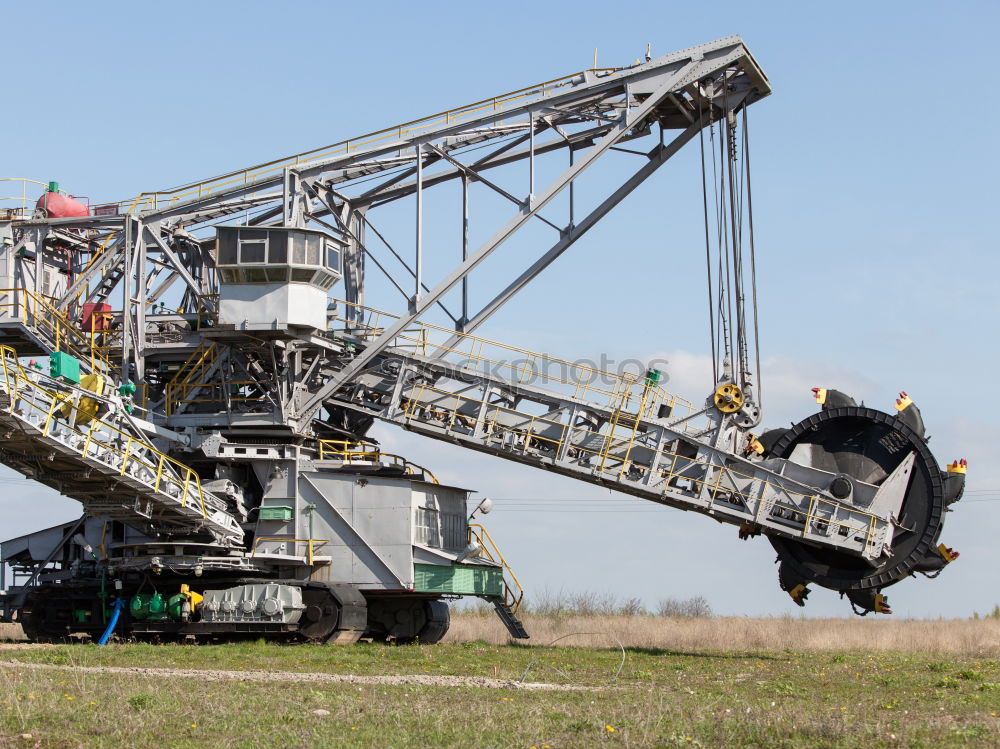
364,452
626,390
215,392
194,369
312,543
19,206
613,451
513,591
47,409
37,311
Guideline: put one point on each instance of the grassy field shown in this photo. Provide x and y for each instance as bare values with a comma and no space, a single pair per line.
977,637
765,686
876,634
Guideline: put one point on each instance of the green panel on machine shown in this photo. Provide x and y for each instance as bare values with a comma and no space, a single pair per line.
467,579
276,512
64,367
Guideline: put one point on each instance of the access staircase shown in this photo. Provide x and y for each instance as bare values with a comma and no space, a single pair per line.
510,620
193,375
30,324
508,604
87,447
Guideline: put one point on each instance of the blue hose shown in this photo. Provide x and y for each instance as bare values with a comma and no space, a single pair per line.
111,624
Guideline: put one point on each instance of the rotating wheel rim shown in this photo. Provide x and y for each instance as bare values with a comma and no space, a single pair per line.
871,443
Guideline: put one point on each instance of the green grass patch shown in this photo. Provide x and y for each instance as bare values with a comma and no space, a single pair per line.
660,698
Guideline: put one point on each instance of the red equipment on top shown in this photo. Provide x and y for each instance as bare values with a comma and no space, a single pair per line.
57,205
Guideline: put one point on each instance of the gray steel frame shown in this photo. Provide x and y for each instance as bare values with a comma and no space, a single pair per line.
149,252
597,113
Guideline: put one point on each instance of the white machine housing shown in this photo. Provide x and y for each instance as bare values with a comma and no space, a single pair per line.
275,279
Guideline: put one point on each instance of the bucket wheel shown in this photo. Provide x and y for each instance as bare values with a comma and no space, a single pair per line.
866,445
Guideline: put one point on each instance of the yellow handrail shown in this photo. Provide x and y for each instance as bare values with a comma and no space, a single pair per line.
351,452
610,452
513,591
38,312
520,365
311,541
23,212
198,363
27,394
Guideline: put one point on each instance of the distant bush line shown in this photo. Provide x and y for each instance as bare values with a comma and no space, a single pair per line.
562,603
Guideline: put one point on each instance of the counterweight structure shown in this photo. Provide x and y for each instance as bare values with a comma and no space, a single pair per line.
214,367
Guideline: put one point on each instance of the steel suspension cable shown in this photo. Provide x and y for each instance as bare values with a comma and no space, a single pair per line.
722,232
735,219
753,254
722,330
708,251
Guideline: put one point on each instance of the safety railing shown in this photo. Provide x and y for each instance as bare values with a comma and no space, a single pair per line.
616,451
627,391
15,207
208,311
311,544
250,176
223,394
53,413
195,368
102,341
513,592
614,446
354,453
36,311
98,254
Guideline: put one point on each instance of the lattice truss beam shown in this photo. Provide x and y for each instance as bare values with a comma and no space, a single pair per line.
526,150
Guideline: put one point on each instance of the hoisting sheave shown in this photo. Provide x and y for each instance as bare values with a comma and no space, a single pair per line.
728,398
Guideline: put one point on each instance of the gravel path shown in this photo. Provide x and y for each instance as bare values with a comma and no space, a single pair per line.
300,677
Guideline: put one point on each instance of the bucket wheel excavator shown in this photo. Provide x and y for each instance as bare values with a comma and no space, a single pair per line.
200,368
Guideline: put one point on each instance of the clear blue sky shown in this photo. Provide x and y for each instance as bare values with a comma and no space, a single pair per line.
875,166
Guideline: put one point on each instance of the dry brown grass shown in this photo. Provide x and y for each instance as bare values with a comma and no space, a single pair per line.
952,636
976,637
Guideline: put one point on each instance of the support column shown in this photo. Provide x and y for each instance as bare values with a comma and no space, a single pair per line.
418,264
465,253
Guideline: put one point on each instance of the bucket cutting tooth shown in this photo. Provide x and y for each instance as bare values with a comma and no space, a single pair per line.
792,584
954,480
867,601
754,446
799,594
828,398
937,559
909,414
947,553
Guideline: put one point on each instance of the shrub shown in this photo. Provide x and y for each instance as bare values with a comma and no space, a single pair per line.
695,607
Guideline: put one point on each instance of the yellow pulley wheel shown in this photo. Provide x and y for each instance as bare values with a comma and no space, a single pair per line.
728,398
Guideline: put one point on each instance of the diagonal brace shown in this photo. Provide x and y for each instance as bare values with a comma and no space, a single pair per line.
632,118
